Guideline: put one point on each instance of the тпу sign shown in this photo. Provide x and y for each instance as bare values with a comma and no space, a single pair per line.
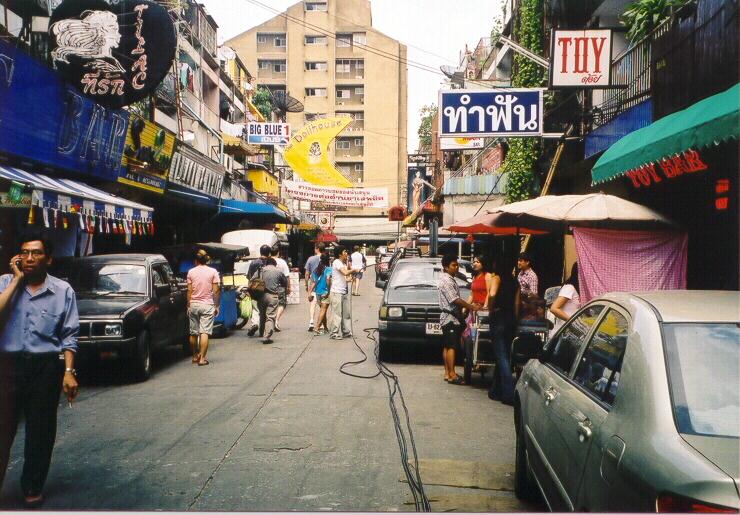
268,133
115,54
492,113
147,155
580,58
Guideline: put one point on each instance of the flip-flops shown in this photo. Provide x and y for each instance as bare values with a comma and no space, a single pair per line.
458,380
204,363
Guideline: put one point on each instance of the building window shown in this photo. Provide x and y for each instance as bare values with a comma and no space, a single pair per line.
343,144
360,91
316,40
359,115
281,41
316,6
316,66
343,66
359,38
261,39
279,67
263,65
315,92
359,167
344,93
344,40
359,142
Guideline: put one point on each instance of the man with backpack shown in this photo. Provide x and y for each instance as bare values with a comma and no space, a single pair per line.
257,289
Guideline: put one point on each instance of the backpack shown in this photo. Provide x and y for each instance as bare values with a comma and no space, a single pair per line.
256,286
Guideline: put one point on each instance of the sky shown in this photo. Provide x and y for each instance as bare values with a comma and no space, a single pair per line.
435,31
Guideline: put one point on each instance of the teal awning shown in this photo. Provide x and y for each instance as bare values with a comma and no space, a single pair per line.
712,120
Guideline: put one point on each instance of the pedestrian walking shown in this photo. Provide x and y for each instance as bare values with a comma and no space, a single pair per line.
274,280
320,285
312,264
532,306
256,289
284,291
359,263
502,317
341,307
204,298
451,319
38,341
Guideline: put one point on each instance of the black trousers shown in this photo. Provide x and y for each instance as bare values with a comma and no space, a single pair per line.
30,385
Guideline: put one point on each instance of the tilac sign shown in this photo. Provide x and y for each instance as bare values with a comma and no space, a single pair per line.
502,113
114,54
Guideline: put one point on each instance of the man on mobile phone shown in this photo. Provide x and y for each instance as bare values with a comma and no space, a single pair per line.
38,323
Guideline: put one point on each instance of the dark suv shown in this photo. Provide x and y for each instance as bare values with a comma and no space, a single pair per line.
129,305
409,312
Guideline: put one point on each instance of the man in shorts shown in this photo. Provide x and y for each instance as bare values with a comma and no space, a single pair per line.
451,318
358,262
312,264
204,297
283,291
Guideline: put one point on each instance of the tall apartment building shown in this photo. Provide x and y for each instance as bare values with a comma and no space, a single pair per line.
327,54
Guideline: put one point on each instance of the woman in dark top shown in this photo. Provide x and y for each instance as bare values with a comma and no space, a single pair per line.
502,318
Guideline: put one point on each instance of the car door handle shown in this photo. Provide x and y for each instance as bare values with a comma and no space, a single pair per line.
584,430
550,395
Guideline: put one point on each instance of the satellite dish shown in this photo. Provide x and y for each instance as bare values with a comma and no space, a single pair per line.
448,70
228,53
284,103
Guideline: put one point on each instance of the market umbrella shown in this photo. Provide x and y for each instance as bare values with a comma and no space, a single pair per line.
598,210
487,223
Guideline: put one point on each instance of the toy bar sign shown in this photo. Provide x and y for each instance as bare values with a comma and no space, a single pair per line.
268,133
491,113
580,58
114,54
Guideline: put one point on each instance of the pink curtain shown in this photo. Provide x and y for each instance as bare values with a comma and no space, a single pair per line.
629,261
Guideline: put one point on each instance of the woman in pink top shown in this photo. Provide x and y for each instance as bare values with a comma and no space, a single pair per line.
204,297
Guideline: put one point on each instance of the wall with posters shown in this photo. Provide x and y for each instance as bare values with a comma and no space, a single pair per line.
54,124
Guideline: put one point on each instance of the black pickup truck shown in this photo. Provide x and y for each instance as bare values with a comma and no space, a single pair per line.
129,305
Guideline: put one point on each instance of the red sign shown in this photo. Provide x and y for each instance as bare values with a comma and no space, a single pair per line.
668,168
580,58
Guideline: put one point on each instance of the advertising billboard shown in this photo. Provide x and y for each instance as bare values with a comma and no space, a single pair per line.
490,113
268,133
308,152
460,143
194,175
580,58
147,155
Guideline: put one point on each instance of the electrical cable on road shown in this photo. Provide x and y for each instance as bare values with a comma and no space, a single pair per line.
413,477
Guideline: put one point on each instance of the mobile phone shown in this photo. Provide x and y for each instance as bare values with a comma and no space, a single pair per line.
18,264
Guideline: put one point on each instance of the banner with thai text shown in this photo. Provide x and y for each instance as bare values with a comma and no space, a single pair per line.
350,197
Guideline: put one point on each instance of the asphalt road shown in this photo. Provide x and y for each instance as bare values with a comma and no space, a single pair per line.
276,427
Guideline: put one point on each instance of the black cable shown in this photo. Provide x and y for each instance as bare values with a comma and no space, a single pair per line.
421,501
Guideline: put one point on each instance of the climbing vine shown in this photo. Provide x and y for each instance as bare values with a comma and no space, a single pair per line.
524,152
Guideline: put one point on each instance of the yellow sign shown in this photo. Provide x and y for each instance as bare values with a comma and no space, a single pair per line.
147,155
307,153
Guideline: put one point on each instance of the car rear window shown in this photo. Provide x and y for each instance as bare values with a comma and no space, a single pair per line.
704,372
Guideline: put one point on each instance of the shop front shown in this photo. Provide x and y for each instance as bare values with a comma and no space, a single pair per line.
685,165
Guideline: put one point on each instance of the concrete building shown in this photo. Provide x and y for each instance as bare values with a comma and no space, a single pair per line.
327,55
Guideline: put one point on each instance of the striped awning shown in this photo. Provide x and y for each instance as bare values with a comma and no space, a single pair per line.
66,194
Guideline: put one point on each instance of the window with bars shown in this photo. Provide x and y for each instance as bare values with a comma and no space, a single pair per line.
359,142
316,40
315,92
281,41
279,67
316,6
316,66
359,91
344,93
344,40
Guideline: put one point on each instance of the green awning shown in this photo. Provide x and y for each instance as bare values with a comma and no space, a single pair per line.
711,120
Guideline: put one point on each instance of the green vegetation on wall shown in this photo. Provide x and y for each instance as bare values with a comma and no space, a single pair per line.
262,100
524,152
425,126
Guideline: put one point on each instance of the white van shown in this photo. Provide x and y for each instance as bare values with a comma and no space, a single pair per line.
252,238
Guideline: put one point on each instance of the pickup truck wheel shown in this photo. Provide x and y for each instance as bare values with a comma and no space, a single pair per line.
142,362
525,488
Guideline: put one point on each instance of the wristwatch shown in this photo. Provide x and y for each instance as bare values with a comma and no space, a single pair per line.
71,371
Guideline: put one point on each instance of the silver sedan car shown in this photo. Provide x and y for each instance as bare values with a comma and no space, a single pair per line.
634,405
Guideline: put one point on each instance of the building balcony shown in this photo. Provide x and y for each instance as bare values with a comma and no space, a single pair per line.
352,100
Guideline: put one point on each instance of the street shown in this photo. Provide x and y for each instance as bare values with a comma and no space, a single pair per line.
276,427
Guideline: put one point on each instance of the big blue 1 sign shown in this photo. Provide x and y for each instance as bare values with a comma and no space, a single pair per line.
491,113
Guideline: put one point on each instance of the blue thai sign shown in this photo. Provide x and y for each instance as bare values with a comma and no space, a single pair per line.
45,121
493,113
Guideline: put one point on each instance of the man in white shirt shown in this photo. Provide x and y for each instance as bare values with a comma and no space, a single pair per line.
341,313
283,293
357,261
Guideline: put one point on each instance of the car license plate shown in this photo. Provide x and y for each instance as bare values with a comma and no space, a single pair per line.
434,328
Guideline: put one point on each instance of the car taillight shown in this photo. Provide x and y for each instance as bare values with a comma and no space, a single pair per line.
672,503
